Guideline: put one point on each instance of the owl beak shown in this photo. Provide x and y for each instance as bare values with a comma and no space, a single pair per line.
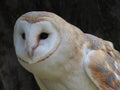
31,51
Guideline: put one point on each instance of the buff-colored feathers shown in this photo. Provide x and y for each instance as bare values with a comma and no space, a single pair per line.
62,57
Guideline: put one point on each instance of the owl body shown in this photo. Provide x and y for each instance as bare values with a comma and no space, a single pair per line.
61,56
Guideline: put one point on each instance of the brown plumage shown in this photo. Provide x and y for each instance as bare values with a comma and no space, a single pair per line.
104,64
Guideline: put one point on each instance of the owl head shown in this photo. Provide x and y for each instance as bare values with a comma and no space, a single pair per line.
45,39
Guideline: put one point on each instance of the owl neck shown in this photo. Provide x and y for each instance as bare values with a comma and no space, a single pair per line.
76,81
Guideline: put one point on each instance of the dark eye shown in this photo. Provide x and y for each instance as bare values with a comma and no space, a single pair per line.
23,35
44,35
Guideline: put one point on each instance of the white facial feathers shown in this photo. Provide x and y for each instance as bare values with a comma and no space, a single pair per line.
34,41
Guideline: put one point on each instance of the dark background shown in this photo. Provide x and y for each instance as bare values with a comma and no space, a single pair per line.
98,17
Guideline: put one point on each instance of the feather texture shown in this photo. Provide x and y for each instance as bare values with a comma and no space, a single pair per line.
62,57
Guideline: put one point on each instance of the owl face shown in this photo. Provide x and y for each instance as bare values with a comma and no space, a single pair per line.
35,41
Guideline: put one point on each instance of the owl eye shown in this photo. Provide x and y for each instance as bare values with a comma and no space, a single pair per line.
43,35
23,35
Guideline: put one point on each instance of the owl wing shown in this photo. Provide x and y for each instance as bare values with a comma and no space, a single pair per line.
103,69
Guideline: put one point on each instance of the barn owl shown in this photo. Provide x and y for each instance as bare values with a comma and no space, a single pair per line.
62,57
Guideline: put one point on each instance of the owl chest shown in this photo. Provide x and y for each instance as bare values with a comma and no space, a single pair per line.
76,82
